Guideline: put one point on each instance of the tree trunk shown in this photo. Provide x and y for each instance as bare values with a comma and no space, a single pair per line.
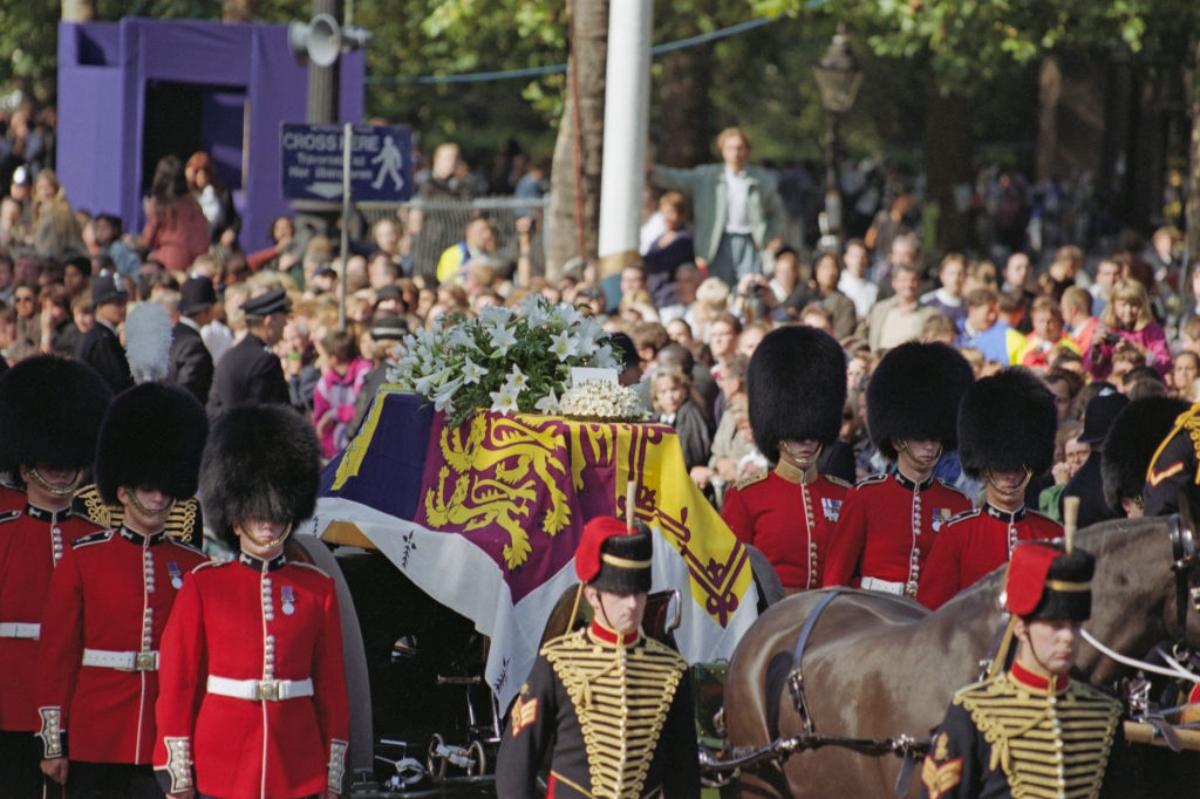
78,10
1050,87
947,141
237,10
685,113
1193,183
575,182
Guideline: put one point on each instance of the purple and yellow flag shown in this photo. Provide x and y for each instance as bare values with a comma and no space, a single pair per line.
485,518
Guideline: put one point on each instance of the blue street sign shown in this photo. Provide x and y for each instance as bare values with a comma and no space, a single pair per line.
381,168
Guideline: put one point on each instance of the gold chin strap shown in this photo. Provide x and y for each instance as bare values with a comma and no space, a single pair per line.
49,487
137,503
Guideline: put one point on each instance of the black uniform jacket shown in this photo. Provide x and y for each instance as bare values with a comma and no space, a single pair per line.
191,362
101,349
248,374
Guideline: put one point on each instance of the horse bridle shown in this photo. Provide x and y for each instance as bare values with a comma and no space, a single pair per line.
1185,560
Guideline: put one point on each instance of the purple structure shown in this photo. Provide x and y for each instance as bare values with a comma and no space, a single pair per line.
132,91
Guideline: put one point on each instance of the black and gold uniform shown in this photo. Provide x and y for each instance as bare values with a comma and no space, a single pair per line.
1175,468
1024,735
613,711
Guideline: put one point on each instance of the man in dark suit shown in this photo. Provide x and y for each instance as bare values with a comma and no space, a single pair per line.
1088,482
250,373
387,332
191,362
100,348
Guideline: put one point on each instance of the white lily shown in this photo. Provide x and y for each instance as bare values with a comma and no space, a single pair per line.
517,379
547,404
443,399
503,340
504,400
472,372
564,345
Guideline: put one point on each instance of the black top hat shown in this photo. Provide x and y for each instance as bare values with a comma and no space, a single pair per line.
1101,411
196,295
107,287
273,301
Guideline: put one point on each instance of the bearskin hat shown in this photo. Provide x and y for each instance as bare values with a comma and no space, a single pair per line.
1007,422
152,437
50,413
1132,440
262,462
914,394
796,382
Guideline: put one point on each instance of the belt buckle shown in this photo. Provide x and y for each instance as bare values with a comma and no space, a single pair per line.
145,661
266,691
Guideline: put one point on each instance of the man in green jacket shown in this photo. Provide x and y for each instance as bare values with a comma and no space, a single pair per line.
736,208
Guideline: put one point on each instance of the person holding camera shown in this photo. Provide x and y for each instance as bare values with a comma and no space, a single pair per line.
1126,321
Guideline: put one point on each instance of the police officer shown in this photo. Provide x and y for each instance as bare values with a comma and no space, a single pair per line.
100,347
1174,466
888,522
613,708
797,387
250,372
252,698
50,413
1031,730
1131,443
1006,429
111,597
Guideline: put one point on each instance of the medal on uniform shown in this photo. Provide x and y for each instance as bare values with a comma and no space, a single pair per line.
289,600
176,575
940,517
832,508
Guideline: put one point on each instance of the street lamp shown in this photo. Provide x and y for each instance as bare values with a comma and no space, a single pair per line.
838,77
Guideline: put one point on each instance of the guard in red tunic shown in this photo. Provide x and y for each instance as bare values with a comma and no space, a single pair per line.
111,597
889,522
252,699
1006,428
797,386
50,413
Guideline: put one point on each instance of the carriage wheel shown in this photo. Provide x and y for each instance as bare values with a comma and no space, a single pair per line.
478,755
436,761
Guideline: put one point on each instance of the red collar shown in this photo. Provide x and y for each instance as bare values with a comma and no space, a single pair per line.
1026,678
606,636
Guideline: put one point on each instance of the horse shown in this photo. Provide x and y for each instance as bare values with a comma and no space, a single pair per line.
878,666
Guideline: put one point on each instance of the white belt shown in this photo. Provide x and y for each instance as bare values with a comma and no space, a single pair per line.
20,629
121,661
260,690
883,586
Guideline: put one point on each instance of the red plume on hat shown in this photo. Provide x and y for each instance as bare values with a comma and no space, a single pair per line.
1044,582
612,557
1027,576
595,533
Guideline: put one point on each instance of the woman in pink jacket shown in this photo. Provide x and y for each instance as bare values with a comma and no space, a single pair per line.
336,392
1126,321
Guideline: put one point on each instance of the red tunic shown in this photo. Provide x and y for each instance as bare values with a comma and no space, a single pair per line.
112,593
253,620
976,543
887,528
791,523
32,542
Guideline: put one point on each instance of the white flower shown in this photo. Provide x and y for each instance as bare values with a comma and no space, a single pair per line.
502,340
495,316
569,315
547,404
472,372
504,400
564,345
443,399
603,357
536,310
517,379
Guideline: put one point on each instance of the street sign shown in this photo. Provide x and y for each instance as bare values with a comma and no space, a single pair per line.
381,168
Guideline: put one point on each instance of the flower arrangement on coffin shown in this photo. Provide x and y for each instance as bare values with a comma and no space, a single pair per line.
506,360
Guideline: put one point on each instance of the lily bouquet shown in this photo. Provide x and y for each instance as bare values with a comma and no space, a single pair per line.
507,360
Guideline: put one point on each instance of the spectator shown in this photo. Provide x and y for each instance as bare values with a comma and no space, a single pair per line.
854,282
948,299
712,302
680,332
479,241
1185,369
433,230
817,316
28,335
687,282
13,232
1127,319
1108,272
669,251
899,318
1064,272
59,335
1078,322
192,364
827,274
1074,453
904,253
77,272
100,348
107,232
939,328
83,313
888,225
216,201
338,390
737,208
678,408
1065,385
983,330
176,231
7,277
1047,335
56,232
723,340
789,281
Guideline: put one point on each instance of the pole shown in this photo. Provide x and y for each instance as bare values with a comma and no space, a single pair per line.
347,149
833,196
323,81
626,115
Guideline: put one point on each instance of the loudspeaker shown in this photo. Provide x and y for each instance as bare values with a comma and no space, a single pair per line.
322,40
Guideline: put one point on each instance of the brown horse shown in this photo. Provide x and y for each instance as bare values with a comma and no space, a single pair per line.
877,666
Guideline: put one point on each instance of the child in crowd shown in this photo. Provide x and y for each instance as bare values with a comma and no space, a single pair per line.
676,406
338,389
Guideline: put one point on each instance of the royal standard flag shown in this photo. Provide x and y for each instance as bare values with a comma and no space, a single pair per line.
485,517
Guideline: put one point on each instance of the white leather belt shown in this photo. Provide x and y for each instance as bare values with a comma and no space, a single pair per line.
121,661
260,690
883,586
20,629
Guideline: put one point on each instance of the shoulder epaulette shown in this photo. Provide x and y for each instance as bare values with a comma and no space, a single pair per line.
317,569
570,639
749,481
964,514
871,479
92,538
955,489
660,649
9,515
837,481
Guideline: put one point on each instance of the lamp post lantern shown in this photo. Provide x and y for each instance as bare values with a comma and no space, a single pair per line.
838,77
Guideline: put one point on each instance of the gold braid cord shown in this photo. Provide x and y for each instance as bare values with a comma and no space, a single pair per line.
1049,747
181,523
621,698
